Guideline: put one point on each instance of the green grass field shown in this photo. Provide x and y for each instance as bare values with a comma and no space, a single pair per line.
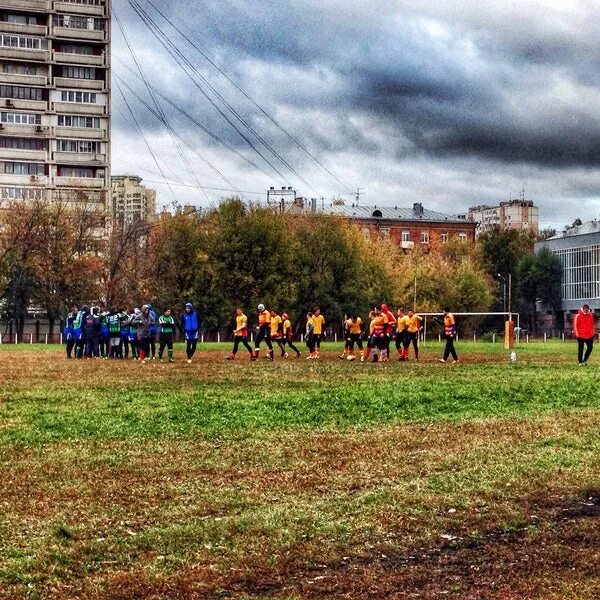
300,479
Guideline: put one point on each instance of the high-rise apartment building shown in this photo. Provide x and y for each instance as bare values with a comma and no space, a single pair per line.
131,201
513,214
55,100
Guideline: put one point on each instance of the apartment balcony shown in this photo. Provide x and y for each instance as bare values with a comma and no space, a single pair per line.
9,129
80,158
14,78
79,182
74,8
23,105
91,60
79,84
82,35
23,155
32,5
25,54
73,108
81,133
21,180
21,29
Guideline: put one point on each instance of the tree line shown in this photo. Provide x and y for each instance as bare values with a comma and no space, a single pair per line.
54,255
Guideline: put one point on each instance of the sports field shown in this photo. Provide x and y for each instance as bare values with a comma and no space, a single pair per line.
300,479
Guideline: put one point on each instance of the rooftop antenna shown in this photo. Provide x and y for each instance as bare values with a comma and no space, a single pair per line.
522,195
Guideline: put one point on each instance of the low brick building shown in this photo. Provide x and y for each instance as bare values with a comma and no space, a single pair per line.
408,227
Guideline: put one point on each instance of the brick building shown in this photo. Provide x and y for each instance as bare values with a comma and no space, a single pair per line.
408,227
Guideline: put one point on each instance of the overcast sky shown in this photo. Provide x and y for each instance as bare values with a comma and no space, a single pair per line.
448,103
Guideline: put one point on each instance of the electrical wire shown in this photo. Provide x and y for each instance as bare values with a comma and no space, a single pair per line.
182,60
249,98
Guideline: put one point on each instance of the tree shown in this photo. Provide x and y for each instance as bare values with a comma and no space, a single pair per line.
546,234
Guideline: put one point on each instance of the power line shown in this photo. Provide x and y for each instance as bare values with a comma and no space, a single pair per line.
248,97
146,141
188,116
181,60
161,115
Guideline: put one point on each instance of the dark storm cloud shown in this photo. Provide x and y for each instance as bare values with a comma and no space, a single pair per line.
513,84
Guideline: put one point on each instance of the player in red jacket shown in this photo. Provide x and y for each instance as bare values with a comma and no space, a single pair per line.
584,329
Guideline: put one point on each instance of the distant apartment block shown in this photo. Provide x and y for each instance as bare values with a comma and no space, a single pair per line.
55,101
131,201
512,214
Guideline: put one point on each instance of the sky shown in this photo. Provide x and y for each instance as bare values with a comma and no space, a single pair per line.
452,104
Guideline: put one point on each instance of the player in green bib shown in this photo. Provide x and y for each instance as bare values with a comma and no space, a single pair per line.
166,322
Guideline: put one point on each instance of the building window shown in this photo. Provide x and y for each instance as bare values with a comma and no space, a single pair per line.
22,42
20,118
79,146
78,121
462,236
75,172
20,93
385,232
406,235
581,272
78,97
19,69
76,49
79,72
79,22
89,2
23,143
15,168
20,193
424,237
19,19
444,237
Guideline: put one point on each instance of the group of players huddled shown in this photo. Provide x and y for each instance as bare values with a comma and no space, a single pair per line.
92,332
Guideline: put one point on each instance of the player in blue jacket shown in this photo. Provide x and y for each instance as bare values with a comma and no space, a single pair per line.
190,325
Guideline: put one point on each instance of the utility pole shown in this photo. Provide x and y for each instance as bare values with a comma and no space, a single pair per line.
358,193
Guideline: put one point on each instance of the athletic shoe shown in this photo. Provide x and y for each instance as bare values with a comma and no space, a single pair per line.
189,361
298,355
441,360
171,360
160,359
286,355
143,362
341,356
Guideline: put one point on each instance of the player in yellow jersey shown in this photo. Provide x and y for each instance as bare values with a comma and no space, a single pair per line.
240,334
310,335
277,331
288,336
319,323
377,335
413,327
264,332
353,328
401,334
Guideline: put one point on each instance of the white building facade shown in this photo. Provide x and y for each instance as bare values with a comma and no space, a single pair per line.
55,101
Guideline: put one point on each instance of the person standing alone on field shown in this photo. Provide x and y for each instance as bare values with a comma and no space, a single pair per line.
449,325
190,327
583,327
